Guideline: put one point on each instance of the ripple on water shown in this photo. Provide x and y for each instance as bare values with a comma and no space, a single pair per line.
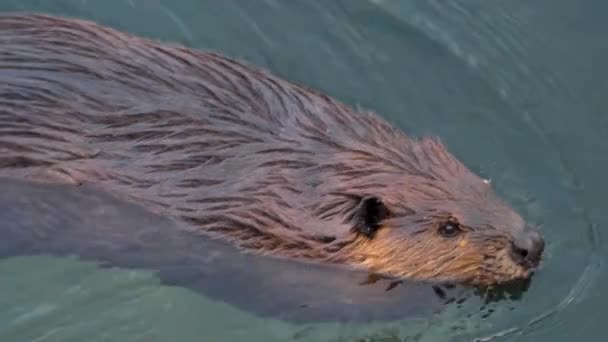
490,41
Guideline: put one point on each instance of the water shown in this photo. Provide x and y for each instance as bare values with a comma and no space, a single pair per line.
515,88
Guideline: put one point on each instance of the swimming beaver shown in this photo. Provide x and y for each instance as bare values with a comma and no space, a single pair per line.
271,166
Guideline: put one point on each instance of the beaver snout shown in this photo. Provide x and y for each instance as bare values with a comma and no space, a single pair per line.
527,248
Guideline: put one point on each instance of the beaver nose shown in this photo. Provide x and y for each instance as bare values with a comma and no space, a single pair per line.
527,248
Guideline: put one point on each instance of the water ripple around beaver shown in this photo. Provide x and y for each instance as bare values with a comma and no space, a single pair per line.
468,70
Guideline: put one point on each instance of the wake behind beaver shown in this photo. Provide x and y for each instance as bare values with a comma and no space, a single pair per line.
270,166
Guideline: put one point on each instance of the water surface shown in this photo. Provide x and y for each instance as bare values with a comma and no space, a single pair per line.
516,89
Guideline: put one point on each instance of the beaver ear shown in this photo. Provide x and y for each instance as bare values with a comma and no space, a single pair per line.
370,212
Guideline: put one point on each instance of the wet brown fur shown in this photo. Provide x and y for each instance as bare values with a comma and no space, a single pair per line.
271,166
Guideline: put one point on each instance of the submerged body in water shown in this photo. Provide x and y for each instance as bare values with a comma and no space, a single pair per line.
63,220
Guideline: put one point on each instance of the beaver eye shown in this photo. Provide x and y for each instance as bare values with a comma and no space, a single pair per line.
449,229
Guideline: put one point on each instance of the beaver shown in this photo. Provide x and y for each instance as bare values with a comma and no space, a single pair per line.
271,166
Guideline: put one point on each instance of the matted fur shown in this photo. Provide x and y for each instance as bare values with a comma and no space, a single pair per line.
242,155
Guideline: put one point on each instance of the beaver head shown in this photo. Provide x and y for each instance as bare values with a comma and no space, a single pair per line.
434,220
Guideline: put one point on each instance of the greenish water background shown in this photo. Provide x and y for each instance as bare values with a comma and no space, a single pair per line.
516,89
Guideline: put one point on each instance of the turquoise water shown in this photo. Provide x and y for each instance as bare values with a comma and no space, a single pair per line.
516,89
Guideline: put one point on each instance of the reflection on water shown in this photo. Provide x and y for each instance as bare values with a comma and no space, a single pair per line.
513,88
